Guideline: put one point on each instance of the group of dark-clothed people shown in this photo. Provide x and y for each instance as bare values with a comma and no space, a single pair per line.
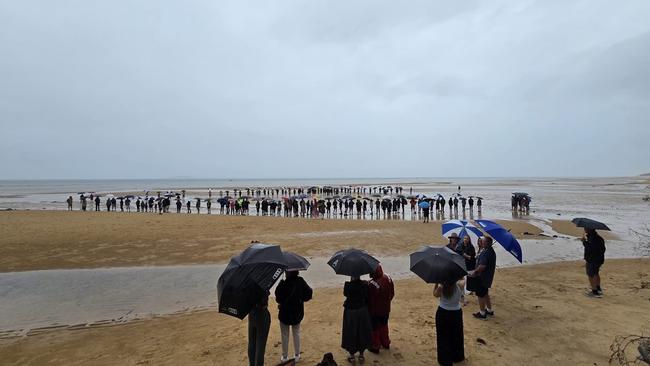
366,310
290,294
367,306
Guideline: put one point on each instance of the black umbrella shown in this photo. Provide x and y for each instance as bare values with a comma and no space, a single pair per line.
589,224
295,262
248,277
353,262
438,264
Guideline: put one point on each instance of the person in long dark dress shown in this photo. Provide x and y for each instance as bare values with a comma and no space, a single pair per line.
357,327
449,324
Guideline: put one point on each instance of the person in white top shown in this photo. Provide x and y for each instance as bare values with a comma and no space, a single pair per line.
449,324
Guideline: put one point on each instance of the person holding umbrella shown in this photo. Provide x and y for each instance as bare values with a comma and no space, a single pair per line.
449,323
259,323
443,268
291,295
594,256
357,326
484,273
243,290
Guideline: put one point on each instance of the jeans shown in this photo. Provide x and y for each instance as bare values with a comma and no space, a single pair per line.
284,331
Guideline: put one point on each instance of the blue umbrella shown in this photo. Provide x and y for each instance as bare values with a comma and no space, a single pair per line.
502,236
424,204
461,228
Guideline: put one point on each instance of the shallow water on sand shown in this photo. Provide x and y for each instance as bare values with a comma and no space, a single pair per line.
37,299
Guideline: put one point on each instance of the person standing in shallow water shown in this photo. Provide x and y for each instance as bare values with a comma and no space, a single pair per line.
357,327
291,295
69,201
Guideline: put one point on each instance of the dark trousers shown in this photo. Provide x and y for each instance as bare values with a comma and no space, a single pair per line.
449,336
259,322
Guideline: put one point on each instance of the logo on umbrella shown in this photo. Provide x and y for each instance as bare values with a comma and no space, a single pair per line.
277,273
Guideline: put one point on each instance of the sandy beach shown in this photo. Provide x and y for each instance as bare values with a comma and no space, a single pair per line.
542,314
542,318
31,240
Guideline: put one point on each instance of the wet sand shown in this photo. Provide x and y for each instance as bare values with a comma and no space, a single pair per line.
35,240
542,317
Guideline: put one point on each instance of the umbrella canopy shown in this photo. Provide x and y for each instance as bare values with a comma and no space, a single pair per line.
301,196
248,277
375,195
295,262
589,224
387,197
347,197
437,265
353,262
110,195
424,204
461,228
222,200
502,236
411,197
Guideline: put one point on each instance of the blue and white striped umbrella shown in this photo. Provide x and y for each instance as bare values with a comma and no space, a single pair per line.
462,228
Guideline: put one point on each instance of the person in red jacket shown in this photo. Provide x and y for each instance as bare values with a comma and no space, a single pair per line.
380,292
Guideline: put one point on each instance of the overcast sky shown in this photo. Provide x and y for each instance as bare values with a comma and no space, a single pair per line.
323,88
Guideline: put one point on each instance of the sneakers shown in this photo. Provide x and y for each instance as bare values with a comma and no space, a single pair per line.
480,316
296,358
594,294
489,312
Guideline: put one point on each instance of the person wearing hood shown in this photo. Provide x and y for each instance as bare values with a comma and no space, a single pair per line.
291,295
380,293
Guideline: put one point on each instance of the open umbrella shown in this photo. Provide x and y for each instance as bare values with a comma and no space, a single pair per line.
411,197
248,277
387,197
353,262
502,236
295,262
437,264
375,195
347,197
461,228
589,224
424,204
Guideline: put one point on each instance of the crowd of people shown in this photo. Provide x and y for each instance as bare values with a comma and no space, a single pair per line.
521,202
367,307
385,202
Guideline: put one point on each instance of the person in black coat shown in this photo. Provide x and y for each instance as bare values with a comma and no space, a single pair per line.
594,257
357,326
291,295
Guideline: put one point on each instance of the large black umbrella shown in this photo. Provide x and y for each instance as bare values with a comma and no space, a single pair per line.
248,277
589,224
353,262
438,264
295,262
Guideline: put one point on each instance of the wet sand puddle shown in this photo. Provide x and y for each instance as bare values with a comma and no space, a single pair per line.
37,301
